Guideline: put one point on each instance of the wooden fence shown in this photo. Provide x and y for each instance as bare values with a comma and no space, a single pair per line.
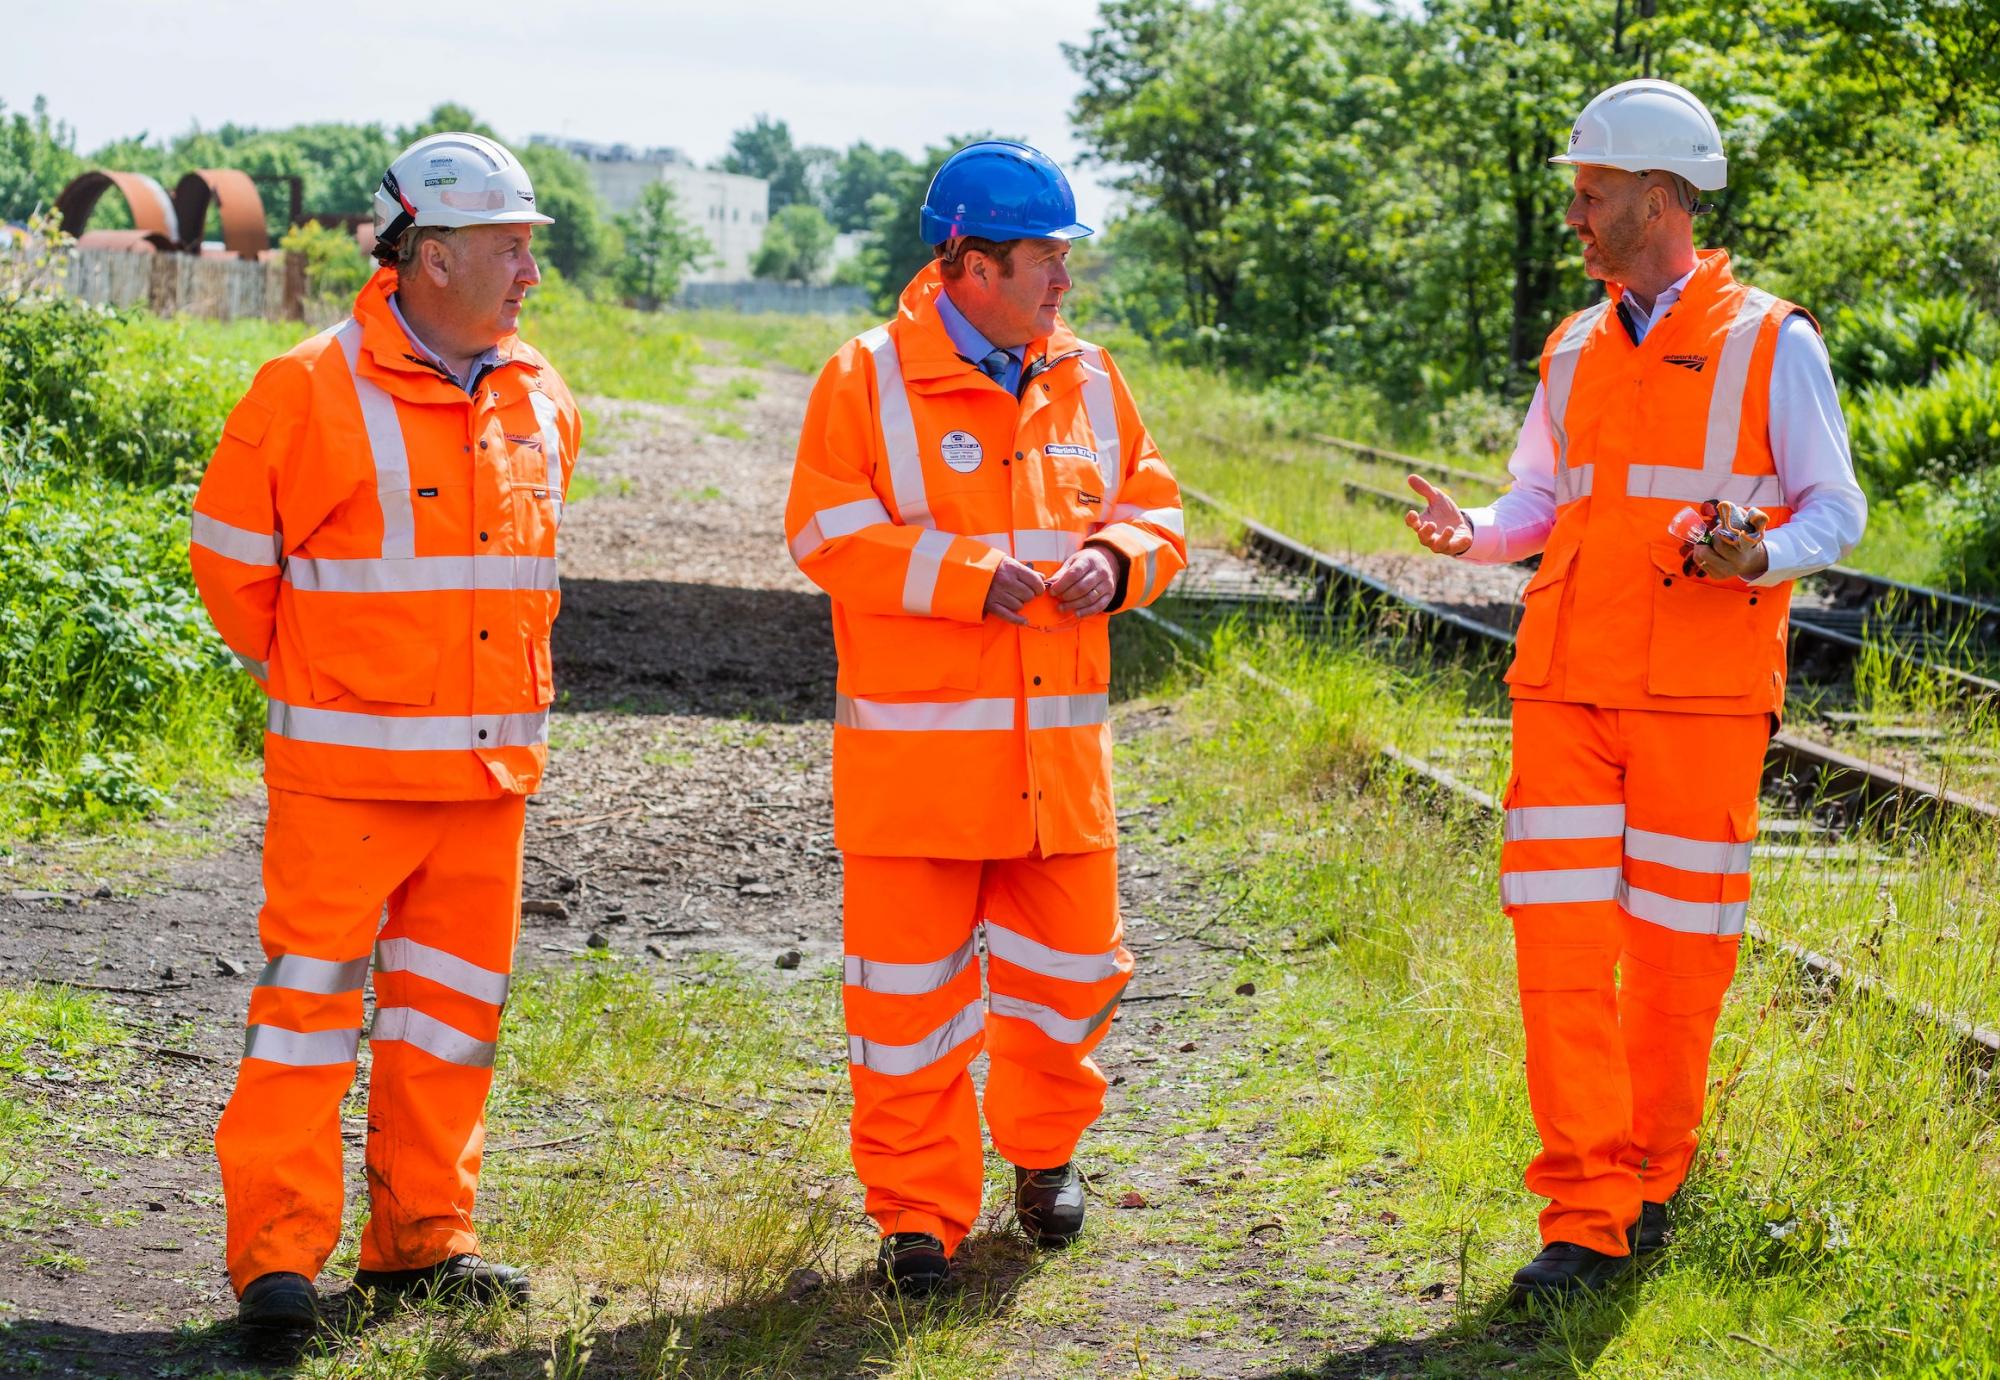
180,284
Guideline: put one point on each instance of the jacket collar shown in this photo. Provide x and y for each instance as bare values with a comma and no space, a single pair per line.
393,353
925,348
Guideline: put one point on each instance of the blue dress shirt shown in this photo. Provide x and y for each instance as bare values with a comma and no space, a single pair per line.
966,339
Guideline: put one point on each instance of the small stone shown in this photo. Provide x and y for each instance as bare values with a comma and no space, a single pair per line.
103,892
759,889
1434,1290
597,940
655,950
1389,1219
746,878
1116,1079
167,973
788,959
228,967
555,909
1187,1048
616,917
153,1206
1132,1200
1246,989
802,1283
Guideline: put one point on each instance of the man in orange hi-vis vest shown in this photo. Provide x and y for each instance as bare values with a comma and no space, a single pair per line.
976,491
376,541
1683,461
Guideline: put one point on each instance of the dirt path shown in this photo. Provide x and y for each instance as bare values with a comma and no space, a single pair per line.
686,812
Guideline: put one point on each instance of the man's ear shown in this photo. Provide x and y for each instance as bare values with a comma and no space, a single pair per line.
437,261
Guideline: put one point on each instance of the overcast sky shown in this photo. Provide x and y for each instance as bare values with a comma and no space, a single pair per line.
902,73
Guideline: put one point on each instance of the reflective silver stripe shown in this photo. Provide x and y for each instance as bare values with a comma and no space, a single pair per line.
1102,414
900,1060
404,955
843,520
1572,484
432,1036
908,979
920,579
1684,485
1569,885
999,541
1068,711
385,442
417,574
1689,917
1690,855
1564,822
259,669
1068,1030
1170,518
899,429
1732,380
924,716
1562,374
1037,957
237,543
301,1048
546,416
1152,570
324,976
426,733
1046,544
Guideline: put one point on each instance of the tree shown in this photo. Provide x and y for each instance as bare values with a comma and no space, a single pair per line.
579,243
797,244
861,174
894,251
765,150
659,248
450,117
37,158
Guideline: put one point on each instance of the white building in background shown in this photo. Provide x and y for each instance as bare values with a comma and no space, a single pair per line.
731,210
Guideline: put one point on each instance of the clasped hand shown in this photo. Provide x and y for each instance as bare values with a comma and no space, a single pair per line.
1735,545
1082,586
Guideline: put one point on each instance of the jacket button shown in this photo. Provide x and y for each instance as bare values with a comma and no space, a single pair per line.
482,634
1753,598
482,536
482,735
1668,581
1019,456
1024,795
1038,680
482,445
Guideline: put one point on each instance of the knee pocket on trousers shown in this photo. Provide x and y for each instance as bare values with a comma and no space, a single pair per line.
1686,991
1555,968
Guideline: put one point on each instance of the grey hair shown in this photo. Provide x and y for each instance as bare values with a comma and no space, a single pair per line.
412,238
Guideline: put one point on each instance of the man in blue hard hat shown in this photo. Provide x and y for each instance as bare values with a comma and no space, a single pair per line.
976,491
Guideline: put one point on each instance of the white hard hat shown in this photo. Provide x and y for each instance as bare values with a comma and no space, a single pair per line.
1649,125
449,180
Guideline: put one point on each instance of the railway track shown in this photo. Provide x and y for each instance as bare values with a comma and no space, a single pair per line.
1801,776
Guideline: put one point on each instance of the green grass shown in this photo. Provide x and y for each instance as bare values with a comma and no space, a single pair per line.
1839,1214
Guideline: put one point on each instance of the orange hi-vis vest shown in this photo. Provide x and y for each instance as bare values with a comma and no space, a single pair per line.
957,735
1641,432
379,549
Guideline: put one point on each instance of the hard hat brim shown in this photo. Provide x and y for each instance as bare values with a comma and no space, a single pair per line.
448,221
1710,176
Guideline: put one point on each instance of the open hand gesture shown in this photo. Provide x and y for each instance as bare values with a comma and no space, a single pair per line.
1441,525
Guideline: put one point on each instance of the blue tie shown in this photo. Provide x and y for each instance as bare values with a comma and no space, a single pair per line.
994,366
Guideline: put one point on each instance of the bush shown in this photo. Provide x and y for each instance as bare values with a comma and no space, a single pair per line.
1900,344
335,266
1962,522
1476,423
1938,431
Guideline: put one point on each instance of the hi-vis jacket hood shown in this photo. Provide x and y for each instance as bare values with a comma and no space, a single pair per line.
957,735
379,549
1643,430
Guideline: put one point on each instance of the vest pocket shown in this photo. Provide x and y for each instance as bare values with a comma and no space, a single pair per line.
372,647
891,653
1541,609
1705,640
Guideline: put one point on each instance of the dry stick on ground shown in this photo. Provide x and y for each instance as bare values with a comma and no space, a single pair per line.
167,1053
127,991
542,1144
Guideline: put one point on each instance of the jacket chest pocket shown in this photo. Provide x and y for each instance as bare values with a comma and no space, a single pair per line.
1708,638
1073,474
1541,612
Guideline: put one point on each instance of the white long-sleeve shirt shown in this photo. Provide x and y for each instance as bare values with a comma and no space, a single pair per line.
1808,442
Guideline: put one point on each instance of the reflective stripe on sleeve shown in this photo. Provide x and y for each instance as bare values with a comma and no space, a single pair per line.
1067,1030
404,955
1720,918
259,669
1564,822
921,578
237,543
301,1048
1101,412
1069,711
1046,544
432,1036
907,979
389,453
899,429
1173,519
1562,886
843,520
419,574
1562,374
324,977
1013,947
901,1060
962,716
1690,855
425,733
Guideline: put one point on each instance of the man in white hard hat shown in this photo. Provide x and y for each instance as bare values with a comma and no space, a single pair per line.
1684,460
375,539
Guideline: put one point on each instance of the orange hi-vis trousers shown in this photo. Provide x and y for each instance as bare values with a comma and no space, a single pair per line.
916,1019
1626,871
449,874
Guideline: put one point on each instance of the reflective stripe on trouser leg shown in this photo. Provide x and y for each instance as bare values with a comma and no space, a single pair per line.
441,977
1559,882
1686,892
329,866
1057,967
915,1020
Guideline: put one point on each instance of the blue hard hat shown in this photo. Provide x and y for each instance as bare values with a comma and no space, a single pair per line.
1000,190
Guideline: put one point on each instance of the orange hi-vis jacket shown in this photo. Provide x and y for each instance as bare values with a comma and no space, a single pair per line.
1641,432
957,735
379,549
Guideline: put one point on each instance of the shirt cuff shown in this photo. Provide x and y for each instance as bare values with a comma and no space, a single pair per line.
1781,560
1489,543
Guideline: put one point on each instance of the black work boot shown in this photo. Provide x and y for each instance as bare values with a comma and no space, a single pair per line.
911,1262
458,1278
1564,1271
1649,1233
276,1307
1049,1204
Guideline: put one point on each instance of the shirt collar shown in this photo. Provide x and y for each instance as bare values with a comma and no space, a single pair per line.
1644,321
491,359
965,337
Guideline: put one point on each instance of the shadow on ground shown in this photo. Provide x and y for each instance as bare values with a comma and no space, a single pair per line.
664,647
